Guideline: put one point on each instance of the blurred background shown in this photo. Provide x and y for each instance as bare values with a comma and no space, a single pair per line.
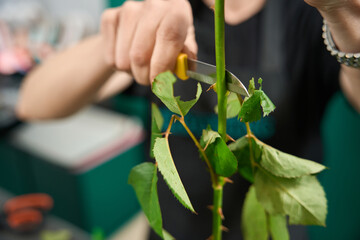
81,162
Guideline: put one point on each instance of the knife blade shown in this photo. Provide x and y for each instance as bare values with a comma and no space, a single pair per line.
206,73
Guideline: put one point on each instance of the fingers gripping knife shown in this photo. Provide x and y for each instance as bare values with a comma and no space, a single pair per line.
203,72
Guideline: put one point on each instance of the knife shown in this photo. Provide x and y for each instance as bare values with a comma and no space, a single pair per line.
203,72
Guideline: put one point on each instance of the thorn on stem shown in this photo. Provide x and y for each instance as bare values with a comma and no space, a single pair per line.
225,229
210,238
228,180
211,207
229,138
206,146
221,213
212,87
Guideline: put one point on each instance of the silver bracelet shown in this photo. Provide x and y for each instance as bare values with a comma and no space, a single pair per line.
349,59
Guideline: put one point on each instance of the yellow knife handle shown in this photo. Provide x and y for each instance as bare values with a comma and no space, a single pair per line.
181,66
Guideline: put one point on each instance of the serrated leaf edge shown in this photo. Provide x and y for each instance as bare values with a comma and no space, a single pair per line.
177,99
154,176
299,201
190,207
262,144
292,177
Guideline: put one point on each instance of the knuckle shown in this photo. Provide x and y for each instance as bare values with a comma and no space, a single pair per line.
174,28
185,5
109,16
185,15
171,33
132,6
138,57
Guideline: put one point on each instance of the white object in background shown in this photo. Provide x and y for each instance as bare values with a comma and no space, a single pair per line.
75,26
21,12
82,141
136,229
59,8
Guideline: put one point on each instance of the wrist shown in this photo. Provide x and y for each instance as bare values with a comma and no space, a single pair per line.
344,23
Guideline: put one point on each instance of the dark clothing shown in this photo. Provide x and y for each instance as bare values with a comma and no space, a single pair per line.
283,45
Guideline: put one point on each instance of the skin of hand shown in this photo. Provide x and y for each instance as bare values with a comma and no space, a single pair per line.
343,19
138,38
144,38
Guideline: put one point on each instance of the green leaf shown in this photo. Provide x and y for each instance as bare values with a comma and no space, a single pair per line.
240,148
285,165
221,158
251,87
168,170
156,116
266,104
167,236
303,199
260,83
157,122
253,106
233,106
278,227
254,214
208,136
253,219
163,88
143,179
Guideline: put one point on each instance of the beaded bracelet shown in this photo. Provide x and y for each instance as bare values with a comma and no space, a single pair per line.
349,59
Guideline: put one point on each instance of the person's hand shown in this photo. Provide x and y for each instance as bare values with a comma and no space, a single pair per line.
336,9
343,19
326,4
144,38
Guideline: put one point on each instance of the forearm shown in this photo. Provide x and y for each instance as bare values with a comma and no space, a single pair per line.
65,82
350,84
344,24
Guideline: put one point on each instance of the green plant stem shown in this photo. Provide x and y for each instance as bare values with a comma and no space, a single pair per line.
217,210
222,101
248,130
167,132
241,101
220,66
250,135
